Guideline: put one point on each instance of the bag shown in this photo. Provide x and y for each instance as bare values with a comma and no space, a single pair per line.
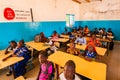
46,71
37,38
111,45
53,69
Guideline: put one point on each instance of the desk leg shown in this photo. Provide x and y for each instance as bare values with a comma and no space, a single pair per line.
13,71
57,71
108,48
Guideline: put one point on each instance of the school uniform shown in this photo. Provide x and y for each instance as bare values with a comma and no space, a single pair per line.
80,40
90,54
19,67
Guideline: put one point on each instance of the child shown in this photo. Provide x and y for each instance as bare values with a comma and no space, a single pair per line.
86,30
55,35
80,39
10,48
94,40
69,71
109,32
95,31
52,48
21,51
90,52
80,30
46,67
42,37
72,49
70,35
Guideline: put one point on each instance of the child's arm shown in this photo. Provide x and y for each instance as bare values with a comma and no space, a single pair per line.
7,50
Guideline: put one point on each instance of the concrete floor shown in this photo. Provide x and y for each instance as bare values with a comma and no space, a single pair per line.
112,61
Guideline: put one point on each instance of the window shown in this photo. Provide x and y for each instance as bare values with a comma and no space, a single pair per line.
70,20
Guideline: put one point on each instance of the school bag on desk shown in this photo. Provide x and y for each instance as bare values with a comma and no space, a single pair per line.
37,38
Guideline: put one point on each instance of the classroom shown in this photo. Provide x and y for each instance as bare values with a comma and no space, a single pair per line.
60,40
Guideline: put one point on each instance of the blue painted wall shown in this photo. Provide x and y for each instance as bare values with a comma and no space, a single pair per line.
113,24
27,30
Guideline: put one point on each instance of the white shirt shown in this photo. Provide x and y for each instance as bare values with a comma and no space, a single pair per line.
80,40
62,77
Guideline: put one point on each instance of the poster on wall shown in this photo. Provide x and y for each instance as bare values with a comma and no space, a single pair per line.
70,20
16,15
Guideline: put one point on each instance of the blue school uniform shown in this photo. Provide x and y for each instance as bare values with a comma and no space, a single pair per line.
19,67
90,55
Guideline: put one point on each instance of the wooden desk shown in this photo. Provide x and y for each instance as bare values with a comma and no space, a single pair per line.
111,37
104,40
60,40
20,78
100,51
100,39
2,55
37,45
65,36
92,70
10,61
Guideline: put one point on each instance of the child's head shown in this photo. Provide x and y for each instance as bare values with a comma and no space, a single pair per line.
86,26
90,47
93,36
21,43
69,70
13,44
80,35
42,34
43,56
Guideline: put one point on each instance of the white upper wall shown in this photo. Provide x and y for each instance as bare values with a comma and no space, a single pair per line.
54,10
43,10
96,10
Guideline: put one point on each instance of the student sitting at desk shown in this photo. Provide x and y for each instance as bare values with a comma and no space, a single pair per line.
69,72
80,30
21,51
72,49
86,30
80,39
70,35
74,32
46,67
52,48
90,52
94,40
10,48
42,37
109,32
55,35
